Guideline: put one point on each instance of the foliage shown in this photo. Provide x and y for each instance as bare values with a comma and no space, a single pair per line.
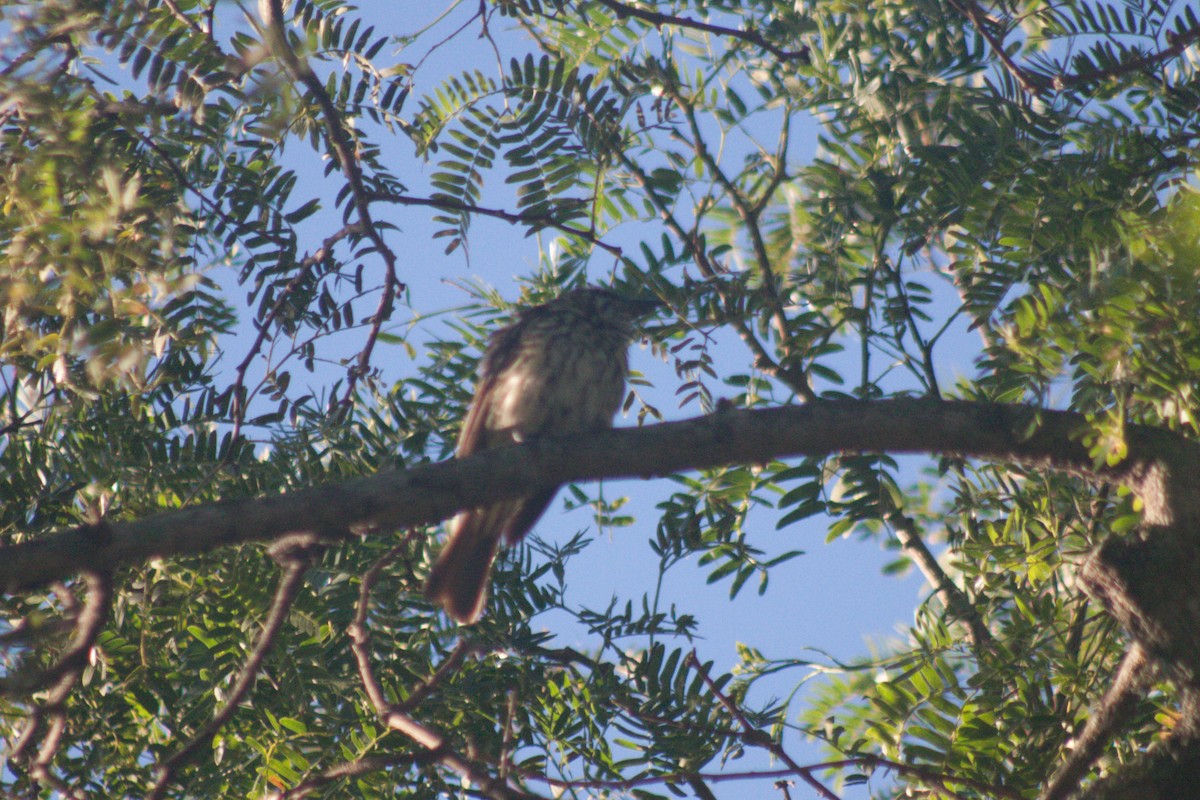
187,251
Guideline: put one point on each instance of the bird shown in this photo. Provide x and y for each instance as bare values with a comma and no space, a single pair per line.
559,368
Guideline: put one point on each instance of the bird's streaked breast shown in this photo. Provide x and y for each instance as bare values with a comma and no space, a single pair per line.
564,377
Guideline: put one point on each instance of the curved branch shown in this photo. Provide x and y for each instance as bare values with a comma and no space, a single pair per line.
430,493
90,620
66,675
397,717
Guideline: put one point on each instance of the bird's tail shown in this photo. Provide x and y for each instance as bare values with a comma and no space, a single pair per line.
458,579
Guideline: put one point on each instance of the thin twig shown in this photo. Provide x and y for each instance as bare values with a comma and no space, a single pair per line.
449,665
240,397
753,37
794,378
1035,84
863,762
1177,43
360,637
187,21
749,213
22,421
346,769
271,12
957,604
438,748
926,347
516,218
264,327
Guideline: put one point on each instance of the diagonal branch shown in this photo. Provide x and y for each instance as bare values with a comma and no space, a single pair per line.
952,598
346,769
295,555
241,400
753,736
1030,83
1116,707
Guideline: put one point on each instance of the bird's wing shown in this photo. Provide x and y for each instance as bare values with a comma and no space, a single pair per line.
501,350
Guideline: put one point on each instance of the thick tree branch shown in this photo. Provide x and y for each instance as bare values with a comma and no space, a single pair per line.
1131,576
433,492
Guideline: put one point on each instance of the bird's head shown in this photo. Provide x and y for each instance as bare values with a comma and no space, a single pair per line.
601,303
